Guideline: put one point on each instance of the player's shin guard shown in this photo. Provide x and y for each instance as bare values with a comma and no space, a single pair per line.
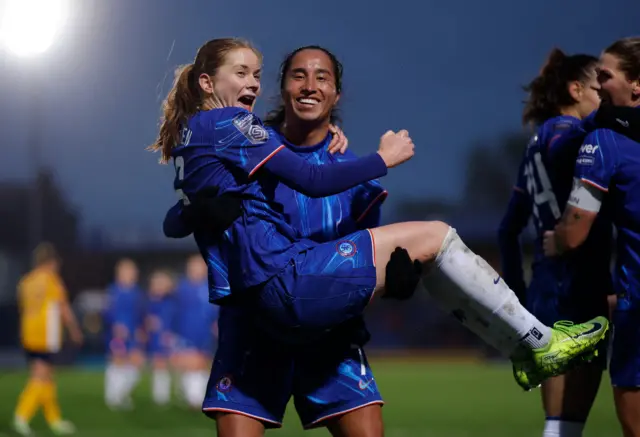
481,292
556,427
451,303
161,386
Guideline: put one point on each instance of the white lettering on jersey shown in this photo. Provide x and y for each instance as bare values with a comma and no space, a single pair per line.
589,149
542,194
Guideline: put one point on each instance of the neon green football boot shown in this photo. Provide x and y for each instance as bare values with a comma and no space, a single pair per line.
570,345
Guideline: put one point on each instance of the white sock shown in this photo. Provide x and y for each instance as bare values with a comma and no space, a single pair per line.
114,384
161,387
554,427
132,376
451,303
484,294
194,387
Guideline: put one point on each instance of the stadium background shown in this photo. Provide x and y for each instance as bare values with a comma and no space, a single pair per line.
437,379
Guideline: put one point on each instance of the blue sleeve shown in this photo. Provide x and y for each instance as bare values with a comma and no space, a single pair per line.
367,203
245,143
367,199
514,221
173,225
597,159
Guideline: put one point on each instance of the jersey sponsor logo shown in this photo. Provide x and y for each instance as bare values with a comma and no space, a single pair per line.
224,385
346,248
585,154
589,149
585,160
255,133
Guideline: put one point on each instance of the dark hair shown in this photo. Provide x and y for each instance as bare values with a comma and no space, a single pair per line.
276,117
184,98
628,51
548,93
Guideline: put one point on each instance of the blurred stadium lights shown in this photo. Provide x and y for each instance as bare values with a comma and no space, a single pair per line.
28,28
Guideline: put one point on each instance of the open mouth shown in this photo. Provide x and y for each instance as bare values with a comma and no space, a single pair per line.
247,100
307,101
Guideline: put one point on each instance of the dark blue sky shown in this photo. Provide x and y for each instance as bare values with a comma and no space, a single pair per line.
448,71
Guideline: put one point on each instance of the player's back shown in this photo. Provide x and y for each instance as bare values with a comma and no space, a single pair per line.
546,175
40,295
216,151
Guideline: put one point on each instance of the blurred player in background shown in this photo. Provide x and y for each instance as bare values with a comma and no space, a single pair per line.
159,319
44,308
572,287
295,284
196,324
607,171
124,316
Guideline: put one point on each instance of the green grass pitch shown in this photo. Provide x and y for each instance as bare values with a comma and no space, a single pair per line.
423,399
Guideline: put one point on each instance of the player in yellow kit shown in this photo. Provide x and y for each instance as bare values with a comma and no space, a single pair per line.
44,308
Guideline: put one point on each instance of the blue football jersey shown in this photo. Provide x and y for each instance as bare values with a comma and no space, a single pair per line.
329,218
125,307
611,162
546,179
160,314
225,148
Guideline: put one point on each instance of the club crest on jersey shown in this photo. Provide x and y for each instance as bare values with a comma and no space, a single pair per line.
224,385
346,248
253,132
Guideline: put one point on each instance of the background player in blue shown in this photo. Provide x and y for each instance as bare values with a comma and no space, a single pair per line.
572,287
196,331
124,318
608,166
293,283
330,380
160,335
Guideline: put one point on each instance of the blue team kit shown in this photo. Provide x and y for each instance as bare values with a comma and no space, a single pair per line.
319,253
610,162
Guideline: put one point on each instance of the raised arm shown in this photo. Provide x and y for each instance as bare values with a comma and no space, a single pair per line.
243,142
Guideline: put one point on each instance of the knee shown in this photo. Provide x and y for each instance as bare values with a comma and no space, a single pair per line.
434,235
438,229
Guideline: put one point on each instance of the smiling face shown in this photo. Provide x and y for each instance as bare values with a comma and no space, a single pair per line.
615,85
309,86
235,83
